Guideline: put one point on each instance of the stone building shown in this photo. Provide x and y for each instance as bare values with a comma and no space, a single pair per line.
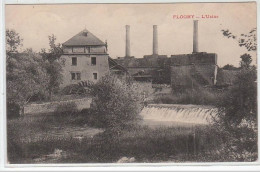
86,58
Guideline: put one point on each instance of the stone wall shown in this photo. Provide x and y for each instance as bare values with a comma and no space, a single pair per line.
50,107
192,76
193,70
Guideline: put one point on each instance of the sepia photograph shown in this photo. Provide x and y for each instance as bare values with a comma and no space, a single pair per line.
131,83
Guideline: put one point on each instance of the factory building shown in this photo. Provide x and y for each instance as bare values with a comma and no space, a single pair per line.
86,59
193,70
181,71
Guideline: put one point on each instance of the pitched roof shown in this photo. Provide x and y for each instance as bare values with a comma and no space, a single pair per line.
113,64
84,38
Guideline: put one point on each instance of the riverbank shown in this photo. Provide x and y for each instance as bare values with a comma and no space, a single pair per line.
69,138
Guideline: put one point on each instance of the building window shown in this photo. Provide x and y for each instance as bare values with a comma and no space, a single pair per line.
95,76
78,76
74,60
75,76
93,61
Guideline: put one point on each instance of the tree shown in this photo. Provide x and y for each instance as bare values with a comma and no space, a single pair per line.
25,78
13,41
244,40
53,65
237,117
116,103
25,75
237,111
229,67
245,60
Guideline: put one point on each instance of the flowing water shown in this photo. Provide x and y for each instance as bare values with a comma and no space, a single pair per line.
173,114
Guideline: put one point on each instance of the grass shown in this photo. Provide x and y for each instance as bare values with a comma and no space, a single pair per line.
145,144
199,97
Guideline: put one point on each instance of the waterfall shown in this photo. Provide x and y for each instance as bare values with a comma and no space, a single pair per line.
193,114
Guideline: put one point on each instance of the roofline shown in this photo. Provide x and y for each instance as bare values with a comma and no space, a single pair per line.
177,65
143,67
85,54
85,45
198,53
117,64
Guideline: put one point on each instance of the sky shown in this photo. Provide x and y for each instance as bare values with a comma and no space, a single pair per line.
35,23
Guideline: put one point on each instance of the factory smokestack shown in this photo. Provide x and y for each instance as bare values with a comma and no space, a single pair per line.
127,43
195,36
155,40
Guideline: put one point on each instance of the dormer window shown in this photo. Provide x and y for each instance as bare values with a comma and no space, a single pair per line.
85,33
74,61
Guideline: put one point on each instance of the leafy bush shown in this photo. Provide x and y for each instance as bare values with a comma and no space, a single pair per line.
38,97
116,103
73,89
13,110
237,117
25,77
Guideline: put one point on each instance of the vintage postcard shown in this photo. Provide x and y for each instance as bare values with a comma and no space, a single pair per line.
143,83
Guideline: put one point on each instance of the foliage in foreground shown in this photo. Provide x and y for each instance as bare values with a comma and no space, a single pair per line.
237,117
53,65
145,144
25,77
30,76
116,103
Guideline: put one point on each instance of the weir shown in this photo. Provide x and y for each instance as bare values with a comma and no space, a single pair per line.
192,114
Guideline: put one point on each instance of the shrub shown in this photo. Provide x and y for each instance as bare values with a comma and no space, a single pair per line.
13,110
117,103
237,117
38,97
73,89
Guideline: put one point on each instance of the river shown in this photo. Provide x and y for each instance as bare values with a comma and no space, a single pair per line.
177,115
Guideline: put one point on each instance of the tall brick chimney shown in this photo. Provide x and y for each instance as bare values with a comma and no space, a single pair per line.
155,40
127,43
195,37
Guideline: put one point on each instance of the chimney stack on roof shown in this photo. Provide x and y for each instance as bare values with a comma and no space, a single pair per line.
127,46
195,37
155,40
